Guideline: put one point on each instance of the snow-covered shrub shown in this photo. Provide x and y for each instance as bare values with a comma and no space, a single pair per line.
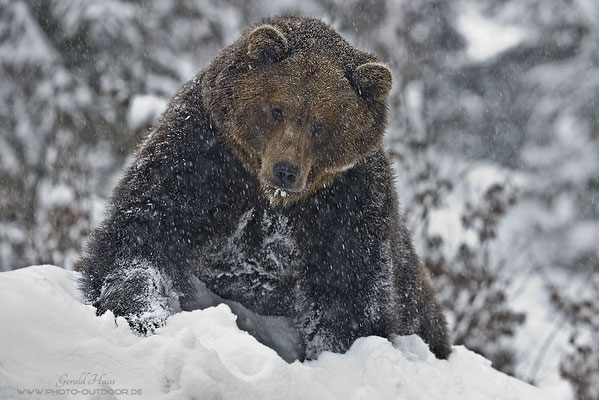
581,365
469,277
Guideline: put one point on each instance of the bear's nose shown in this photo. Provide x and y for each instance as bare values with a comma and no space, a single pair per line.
286,174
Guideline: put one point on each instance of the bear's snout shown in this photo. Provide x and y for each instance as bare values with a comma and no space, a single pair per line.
285,174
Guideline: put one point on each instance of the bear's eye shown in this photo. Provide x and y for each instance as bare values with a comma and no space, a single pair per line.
277,114
317,129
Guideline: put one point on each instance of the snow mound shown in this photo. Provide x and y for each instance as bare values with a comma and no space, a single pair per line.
53,346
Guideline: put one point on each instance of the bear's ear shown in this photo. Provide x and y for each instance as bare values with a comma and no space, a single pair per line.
372,80
267,44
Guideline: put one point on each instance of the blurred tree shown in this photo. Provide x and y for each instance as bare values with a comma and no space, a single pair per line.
69,72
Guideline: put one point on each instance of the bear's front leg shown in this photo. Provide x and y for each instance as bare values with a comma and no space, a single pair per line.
321,329
140,293
340,296
331,319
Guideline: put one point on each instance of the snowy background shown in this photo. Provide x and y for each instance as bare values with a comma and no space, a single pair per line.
494,128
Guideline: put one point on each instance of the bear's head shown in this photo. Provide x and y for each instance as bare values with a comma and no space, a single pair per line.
298,105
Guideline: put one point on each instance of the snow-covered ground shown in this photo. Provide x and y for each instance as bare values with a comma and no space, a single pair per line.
54,347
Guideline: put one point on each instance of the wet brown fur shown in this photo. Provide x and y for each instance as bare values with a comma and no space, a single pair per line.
308,89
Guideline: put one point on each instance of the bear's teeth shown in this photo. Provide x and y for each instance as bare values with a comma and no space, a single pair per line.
283,193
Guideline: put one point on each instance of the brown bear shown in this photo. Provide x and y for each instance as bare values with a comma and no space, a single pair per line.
265,185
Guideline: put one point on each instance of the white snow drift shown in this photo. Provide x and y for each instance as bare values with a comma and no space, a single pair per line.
54,347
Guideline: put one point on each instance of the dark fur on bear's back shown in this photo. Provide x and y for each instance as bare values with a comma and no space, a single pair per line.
334,256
